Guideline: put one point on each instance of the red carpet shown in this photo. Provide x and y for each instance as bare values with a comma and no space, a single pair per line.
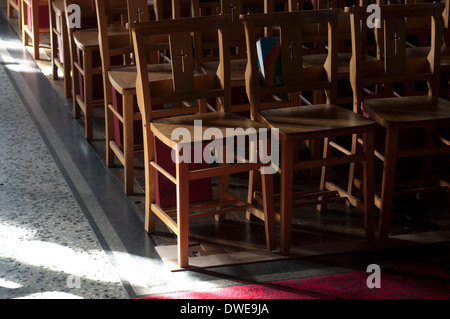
396,283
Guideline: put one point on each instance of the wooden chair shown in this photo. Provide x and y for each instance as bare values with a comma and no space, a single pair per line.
316,40
159,126
12,5
398,117
35,21
124,80
59,40
119,84
417,28
87,82
205,45
420,27
315,53
318,32
417,39
308,122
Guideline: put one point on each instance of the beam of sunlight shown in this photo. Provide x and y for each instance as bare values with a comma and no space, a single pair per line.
18,243
14,64
148,276
9,231
51,295
12,45
9,284
21,68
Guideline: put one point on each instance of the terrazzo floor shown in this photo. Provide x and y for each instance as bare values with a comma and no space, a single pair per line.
47,247
68,231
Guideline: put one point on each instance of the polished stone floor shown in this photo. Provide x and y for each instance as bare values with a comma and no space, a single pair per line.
68,231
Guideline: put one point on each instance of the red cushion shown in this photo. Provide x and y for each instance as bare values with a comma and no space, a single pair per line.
44,20
97,78
118,126
199,190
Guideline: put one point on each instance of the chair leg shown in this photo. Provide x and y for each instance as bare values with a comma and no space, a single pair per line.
54,43
150,179
183,213
254,179
109,131
269,214
369,185
352,169
254,182
76,90
150,217
9,10
286,196
326,171
223,186
19,13
88,96
24,18
66,59
35,30
387,187
128,146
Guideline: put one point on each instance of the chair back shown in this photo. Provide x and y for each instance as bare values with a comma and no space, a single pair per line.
138,11
86,10
294,76
113,41
317,33
172,9
87,20
206,43
186,84
392,65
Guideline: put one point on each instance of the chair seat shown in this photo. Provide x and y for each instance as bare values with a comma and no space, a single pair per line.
313,119
163,128
413,111
237,69
124,79
87,39
422,52
312,60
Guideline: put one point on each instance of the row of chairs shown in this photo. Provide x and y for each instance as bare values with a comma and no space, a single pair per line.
327,122
59,36
314,58
33,20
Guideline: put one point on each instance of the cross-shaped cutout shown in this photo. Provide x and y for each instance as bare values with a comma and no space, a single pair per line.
291,46
231,7
395,38
182,56
138,13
